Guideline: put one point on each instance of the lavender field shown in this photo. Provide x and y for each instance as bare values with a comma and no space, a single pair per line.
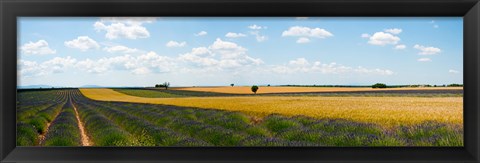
64,117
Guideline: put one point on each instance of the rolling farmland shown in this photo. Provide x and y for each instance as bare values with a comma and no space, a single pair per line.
106,117
386,111
277,89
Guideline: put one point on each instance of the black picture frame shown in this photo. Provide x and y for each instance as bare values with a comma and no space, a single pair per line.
11,9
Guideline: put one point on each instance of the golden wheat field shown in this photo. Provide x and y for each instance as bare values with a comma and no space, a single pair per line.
385,111
263,90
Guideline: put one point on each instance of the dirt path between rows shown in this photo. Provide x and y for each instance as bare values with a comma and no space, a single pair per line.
83,134
41,137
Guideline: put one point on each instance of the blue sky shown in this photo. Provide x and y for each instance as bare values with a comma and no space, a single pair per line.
200,51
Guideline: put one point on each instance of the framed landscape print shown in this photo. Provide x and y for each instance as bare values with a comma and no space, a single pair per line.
211,81
245,81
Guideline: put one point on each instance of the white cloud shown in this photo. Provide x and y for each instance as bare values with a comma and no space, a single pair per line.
156,63
365,35
258,36
120,49
103,65
256,27
299,31
92,66
234,35
435,26
200,56
304,66
293,66
227,49
388,37
394,31
175,44
58,64
200,51
83,43
130,28
55,65
256,32
382,38
427,50
453,71
303,40
305,33
424,60
37,48
220,55
201,33
377,71
299,62
301,18
28,68
141,71
400,47
220,44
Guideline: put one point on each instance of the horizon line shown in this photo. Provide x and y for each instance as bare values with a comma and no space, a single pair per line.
285,85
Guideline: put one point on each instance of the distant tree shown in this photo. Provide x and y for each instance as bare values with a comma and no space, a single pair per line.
232,84
166,85
268,85
254,89
379,85
455,85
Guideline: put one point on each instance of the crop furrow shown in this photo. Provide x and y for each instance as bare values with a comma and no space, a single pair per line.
31,130
64,129
146,134
101,130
